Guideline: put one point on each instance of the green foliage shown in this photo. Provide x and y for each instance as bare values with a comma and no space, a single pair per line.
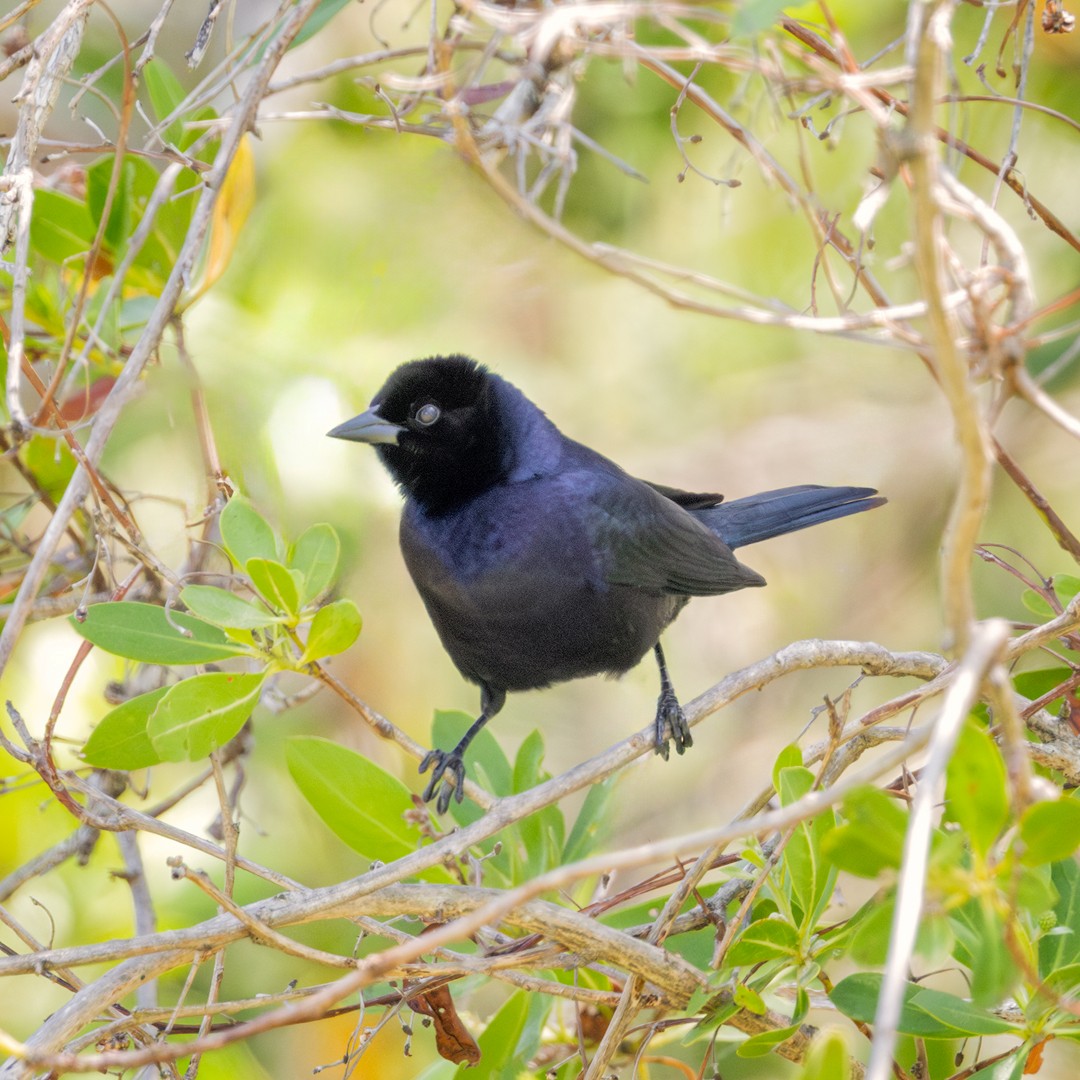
1001,907
753,16
766,939
999,887
871,837
362,803
122,739
281,628
499,1043
202,714
539,842
151,635
829,1058
929,1014
976,797
1064,586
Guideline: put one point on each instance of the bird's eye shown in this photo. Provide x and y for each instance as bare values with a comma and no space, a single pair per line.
427,414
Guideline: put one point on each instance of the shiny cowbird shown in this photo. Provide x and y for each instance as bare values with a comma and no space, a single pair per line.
538,559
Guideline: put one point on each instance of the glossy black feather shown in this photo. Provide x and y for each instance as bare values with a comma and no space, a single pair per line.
538,559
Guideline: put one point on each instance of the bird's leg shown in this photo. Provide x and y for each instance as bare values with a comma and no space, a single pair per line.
491,701
670,719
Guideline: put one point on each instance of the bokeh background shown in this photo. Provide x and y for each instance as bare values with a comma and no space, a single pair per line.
366,249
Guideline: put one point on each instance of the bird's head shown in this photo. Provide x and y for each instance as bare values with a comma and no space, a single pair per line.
438,427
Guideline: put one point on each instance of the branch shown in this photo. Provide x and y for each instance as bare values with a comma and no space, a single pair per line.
987,645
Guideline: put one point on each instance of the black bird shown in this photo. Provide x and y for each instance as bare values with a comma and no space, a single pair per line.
538,559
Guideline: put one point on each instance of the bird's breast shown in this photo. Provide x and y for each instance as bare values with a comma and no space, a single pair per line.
516,591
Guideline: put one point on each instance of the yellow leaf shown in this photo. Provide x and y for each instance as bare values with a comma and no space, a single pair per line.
231,210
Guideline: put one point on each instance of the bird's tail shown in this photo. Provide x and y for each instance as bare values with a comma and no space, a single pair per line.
773,513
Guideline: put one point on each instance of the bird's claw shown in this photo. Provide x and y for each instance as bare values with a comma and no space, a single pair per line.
671,723
444,763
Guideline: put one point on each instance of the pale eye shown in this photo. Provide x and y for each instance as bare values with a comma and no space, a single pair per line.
427,414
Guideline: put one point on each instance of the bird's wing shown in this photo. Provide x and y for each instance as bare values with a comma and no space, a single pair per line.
650,542
688,500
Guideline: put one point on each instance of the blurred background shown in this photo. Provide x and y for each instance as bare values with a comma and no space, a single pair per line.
366,248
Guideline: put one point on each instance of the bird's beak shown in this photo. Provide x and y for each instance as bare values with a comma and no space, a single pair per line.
368,427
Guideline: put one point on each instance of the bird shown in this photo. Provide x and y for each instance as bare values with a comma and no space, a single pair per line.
538,559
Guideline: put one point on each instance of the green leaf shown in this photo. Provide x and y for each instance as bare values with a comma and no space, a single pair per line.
591,824
976,796
872,932
1033,684
334,628
753,16
51,462
764,1042
957,1015
1034,889
1061,949
802,1005
532,1031
499,1041
872,837
929,1014
223,608
1050,831
1065,981
746,997
120,740
788,758
203,713
810,878
1012,1067
98,179
828,1058
981,945
542,833
1035,603
245,533
145,633
322,14
360,802
315,555
1066,586
276,584
166,94
528,763
60,227
766,939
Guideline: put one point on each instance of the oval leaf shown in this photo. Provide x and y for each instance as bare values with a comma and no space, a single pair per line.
223,608
145,633
315,555
766,939
829,1057
359,801
746,997
203,713
872,837
334,628
931,1014
1050,831
976,796
120,740
245,533
276,584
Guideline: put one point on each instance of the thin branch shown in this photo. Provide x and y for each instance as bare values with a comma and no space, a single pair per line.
984,651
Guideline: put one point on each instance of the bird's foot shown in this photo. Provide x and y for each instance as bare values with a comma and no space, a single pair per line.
671,723
444,763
